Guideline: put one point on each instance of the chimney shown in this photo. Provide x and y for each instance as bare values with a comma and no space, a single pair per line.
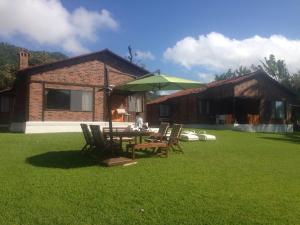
23,58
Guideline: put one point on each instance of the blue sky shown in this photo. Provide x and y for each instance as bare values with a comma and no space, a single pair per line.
228,30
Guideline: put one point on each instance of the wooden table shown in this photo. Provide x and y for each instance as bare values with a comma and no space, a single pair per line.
122,134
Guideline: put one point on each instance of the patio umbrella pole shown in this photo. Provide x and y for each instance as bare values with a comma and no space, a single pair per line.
107,91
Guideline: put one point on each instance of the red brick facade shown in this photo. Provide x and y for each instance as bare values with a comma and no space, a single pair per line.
80,73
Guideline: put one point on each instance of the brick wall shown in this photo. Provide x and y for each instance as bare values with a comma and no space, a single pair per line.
87,75
35,102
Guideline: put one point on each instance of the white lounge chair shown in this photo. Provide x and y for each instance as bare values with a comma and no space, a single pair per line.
189,136
193,136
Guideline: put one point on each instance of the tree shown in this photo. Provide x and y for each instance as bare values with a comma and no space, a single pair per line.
230,73
276,69
295,82
43,57
9,62
7,75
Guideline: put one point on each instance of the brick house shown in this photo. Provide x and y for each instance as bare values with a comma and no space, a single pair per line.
254,102
58,96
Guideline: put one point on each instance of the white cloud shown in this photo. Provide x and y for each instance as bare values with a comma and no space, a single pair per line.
144,55
206,77
48,22
217,52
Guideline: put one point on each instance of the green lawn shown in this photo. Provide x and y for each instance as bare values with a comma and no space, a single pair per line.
242,178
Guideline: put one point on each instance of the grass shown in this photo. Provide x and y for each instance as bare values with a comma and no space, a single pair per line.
242,178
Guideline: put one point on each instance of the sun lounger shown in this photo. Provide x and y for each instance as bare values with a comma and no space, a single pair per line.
189,136
193,136
207,137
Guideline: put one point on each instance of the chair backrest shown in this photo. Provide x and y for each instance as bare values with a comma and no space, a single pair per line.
86,133
175,133
98,137
163,128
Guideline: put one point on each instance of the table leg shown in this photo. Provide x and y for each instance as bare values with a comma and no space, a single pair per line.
135,140
141,138
121,143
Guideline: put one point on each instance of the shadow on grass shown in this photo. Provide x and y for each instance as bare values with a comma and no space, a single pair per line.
61,159
292,138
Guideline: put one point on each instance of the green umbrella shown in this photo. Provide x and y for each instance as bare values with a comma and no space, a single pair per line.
159,82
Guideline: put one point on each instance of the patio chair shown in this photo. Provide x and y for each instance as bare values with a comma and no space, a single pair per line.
164,146
160,135
100,142
89,143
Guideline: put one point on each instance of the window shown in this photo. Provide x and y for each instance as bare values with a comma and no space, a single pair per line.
164,110
76,101
279,110
81,101
135,103
58,99
204,107
87,101
4,104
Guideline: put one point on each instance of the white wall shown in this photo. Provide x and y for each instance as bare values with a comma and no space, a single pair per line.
268,128
32,127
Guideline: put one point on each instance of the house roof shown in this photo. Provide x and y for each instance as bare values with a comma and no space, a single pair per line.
215,84
177,94
33,69
6,91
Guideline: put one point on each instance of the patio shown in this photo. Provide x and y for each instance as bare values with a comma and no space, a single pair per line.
45,180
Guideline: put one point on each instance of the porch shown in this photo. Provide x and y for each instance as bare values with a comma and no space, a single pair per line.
125,105
243,110
229,111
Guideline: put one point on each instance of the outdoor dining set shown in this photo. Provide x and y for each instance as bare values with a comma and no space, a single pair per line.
127,141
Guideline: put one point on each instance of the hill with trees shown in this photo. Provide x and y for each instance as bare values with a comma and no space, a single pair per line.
9,61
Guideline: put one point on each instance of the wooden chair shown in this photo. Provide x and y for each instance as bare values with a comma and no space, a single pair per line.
89,142
160,135
100,142
174,138
164,146
253,119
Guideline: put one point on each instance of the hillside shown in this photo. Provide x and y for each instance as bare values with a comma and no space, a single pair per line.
9,61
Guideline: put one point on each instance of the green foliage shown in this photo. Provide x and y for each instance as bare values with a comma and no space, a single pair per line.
295,82
278,70
230,73
9,61
242,178
42,57
275,68
7,75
